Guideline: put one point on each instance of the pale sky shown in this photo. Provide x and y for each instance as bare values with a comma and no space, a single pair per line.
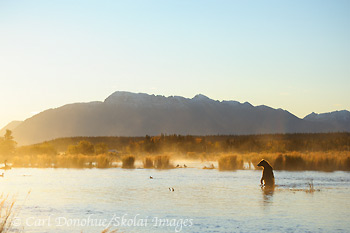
292,54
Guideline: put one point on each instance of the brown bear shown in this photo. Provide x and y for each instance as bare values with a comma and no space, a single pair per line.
267,174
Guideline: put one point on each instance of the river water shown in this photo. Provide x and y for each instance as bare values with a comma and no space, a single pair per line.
89,200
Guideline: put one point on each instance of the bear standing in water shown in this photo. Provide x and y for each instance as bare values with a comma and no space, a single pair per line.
267,175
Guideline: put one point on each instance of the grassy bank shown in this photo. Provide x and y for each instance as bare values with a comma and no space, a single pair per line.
323,152
290,161
63,161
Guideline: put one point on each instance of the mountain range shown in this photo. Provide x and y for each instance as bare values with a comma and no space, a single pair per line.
139,114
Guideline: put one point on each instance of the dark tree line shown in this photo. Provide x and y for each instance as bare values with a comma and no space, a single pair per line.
200,144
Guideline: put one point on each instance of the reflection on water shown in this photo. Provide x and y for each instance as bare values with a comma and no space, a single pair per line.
268,194
73,200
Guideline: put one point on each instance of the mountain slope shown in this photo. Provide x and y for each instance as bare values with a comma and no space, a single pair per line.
337,120
130,114
10,126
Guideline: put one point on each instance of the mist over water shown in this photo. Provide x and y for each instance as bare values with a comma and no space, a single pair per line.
203,200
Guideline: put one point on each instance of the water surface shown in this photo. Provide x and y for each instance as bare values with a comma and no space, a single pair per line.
88,200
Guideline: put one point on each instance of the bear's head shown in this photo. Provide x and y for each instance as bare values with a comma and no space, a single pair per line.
263,163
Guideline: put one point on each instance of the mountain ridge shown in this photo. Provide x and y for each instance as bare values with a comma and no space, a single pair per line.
138,114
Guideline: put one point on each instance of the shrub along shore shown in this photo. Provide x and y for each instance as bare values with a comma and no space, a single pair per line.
293,161
322,152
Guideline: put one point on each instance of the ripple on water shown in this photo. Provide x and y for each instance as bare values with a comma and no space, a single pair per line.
215,201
